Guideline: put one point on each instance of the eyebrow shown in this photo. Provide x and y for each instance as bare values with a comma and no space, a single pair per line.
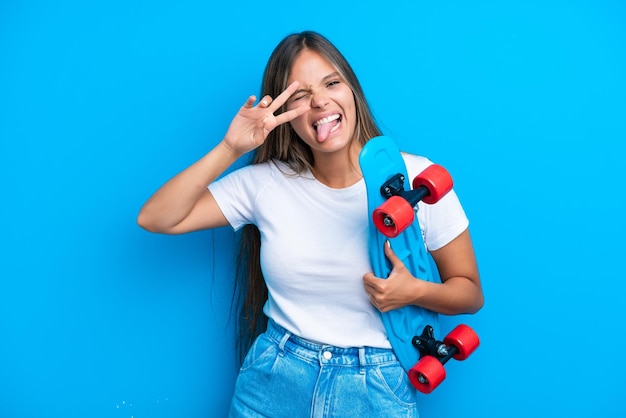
331,75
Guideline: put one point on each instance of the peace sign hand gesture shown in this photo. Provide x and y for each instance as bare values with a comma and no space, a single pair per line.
252,124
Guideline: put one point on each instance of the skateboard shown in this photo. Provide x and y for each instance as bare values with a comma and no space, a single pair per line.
393,205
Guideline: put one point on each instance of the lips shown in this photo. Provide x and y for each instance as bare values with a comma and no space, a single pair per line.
327,125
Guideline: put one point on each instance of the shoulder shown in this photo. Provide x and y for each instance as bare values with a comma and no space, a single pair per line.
415,164
262,171
260,176
273,167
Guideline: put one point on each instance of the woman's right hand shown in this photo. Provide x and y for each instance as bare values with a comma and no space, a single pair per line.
184,204
252,124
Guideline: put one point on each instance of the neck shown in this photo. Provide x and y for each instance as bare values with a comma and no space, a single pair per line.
338,170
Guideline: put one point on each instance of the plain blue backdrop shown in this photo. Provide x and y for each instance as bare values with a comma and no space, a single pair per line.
101,102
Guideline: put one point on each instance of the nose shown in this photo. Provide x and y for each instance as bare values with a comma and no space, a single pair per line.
319,100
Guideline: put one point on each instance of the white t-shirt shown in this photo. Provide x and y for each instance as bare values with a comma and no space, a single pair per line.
314,247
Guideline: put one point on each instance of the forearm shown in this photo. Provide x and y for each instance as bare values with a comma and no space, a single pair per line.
175,200
457,295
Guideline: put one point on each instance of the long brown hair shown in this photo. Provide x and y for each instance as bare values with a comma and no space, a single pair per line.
284,144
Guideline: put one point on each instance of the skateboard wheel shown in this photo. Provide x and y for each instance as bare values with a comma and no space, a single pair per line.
427,374
464,339
437,180
393,216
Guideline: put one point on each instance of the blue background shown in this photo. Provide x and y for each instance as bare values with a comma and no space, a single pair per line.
101,102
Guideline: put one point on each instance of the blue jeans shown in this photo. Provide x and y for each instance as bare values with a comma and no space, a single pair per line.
287,376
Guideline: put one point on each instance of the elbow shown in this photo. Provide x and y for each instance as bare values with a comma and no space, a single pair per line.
477,304
146,222
143,222
476,297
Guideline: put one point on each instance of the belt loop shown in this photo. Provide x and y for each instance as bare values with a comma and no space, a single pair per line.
283,341
362,360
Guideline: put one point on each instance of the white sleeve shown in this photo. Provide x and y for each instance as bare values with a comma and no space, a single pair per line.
236,193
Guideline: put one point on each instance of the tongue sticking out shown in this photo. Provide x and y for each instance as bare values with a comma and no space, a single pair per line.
323,131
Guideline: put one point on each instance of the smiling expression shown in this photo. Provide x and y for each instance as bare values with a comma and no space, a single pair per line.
329,125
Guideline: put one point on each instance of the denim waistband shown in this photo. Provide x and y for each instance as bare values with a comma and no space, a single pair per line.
328,354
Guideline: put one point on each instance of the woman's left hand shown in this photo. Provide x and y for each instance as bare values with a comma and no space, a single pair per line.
458,292
397,290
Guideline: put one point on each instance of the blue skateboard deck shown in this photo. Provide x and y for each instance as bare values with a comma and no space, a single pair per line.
380,159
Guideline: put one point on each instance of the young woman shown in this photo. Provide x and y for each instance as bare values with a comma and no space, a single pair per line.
307,286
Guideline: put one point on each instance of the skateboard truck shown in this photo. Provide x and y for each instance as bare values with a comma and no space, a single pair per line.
427,345
395,187
428,372
397,212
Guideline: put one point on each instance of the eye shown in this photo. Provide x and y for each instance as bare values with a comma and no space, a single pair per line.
298,97
332,83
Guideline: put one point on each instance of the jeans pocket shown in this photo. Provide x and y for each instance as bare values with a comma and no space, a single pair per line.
263,349
397,382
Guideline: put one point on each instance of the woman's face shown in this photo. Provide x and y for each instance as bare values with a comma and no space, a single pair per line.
330,123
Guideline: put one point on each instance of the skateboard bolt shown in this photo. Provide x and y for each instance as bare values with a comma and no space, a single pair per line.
442,350
422,379
388,221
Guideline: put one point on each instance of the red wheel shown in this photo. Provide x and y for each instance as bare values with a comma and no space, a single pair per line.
393,216
437,180
464,339
427,374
